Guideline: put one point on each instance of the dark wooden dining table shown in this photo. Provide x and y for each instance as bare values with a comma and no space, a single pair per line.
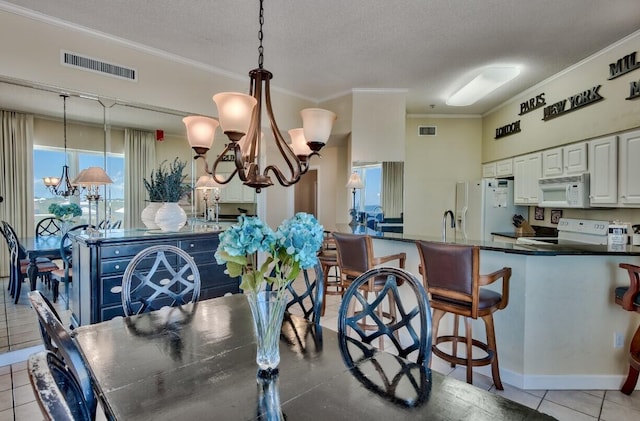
198,362
39,246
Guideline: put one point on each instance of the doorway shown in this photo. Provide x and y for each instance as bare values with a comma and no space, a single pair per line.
305,193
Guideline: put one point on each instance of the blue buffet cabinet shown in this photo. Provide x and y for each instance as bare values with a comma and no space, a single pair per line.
99,264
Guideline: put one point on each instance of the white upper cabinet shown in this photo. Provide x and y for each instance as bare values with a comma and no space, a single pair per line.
236,192
629,169
603,170
527,169
489,170
504,168
575,158
567,160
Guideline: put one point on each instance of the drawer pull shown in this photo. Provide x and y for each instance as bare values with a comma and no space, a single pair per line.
117,252
192,245
117,266
116,289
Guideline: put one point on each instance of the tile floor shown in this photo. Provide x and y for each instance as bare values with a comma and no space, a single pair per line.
19,337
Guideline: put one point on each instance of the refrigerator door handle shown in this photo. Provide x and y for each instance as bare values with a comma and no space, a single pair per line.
462,222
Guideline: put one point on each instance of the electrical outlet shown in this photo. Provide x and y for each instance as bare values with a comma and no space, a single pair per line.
618,340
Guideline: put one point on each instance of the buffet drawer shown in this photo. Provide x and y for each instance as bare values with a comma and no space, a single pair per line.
127,249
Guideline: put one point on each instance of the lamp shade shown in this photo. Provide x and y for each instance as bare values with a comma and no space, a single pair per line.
355,182
299,143
206,182
200,131
317,124
92,176
234,111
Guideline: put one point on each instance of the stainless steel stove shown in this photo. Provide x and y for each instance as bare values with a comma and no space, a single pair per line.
585,231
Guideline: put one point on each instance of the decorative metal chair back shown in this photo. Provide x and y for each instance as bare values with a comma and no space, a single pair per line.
66,247
159,276
48,226
309,299
57,339
412,327
58,393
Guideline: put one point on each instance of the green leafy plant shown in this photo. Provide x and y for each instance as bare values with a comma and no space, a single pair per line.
166,183
65,212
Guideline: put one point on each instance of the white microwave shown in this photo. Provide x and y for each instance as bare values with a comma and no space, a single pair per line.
564,192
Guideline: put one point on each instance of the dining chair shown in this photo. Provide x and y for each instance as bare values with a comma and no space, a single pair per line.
159,276
19,264
410,334
57,339
355,257
328,257
57,392
451,276
64,274
307,299
628,297
48,226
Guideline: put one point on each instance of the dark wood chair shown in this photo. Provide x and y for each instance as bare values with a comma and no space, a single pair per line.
49,226
57,392
18,263
629,299
451,276
413,325
328,258
57,339
159,276
355,257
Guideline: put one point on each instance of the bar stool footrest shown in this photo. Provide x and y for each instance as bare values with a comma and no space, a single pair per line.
462,341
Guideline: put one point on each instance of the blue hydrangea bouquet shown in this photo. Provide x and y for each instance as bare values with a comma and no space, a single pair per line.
292,247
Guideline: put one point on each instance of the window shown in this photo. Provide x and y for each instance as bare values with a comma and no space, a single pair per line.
368,199
48,162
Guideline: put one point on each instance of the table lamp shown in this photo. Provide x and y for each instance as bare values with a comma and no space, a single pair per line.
91,179
355,182
207,183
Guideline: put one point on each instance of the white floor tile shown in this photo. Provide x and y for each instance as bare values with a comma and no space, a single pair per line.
562,413
577,400
518,395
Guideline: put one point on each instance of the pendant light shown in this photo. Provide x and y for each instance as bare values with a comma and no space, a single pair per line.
62,186
240,119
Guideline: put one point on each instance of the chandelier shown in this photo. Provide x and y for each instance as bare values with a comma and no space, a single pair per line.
240,120
62,186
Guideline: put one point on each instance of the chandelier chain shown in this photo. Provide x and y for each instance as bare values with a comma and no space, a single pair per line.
64,122
260,37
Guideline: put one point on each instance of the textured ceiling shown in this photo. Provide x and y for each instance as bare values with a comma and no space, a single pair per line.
323,49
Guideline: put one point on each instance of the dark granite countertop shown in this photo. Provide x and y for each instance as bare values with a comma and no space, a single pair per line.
564,249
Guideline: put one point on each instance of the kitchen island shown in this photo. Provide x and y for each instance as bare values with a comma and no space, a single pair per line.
559,327
100,261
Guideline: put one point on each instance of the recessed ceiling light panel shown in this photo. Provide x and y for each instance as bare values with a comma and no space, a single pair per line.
490,79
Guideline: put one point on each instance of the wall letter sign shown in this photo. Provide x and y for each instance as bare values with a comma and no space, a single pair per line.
507,130
623,66
576,101
532,104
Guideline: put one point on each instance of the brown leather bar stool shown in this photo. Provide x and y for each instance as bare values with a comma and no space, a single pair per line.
451,276
629,299
328,258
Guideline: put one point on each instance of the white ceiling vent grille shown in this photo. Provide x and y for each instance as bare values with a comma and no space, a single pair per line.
426,130
98,66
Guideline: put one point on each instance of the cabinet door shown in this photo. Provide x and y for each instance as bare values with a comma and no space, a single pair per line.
504,168
552,162
489,170
575,158
520,181
232,191
629,169
603,170
534,173
248,194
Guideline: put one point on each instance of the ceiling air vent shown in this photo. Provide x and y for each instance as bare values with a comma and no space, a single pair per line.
98,66
426,130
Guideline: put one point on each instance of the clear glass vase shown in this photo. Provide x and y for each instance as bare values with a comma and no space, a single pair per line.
267,309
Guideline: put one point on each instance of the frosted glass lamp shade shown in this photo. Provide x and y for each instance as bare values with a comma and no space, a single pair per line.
317,124
206,182
50,181
200,132
92,176
299,143
234,111
355,182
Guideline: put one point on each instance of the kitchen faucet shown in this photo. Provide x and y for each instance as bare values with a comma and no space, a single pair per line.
444,224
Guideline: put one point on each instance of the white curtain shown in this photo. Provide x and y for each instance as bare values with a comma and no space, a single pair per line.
16,177
392,189
140,160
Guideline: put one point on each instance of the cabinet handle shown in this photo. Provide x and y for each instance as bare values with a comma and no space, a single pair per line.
117,266
117,252
116,290
192,245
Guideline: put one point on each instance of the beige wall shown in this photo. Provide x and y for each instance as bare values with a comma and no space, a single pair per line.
611,115
432,167
86,137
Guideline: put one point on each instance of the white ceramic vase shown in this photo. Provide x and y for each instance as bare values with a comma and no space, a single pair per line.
148,215
171,217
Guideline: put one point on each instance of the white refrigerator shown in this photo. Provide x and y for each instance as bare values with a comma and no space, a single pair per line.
485,206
